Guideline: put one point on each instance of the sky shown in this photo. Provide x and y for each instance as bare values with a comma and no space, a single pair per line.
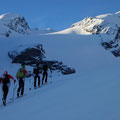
58,14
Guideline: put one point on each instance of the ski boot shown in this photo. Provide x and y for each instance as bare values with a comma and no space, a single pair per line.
4,102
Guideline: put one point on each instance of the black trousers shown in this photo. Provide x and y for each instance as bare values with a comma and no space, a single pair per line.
45,75
21,87
5,92
35,79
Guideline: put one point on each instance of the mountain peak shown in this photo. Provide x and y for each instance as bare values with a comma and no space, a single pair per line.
9,16
12,24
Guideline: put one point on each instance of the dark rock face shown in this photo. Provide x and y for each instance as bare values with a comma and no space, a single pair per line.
117,37
113,45
57,66
32,56
116,53
109,45
18,25
28,56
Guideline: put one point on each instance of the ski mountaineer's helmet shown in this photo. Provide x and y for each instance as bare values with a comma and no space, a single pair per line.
23,66
37,64
5,73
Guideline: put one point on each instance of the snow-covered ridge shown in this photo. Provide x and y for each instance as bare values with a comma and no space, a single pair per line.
88,24
107,23
111,18
12,24
9,16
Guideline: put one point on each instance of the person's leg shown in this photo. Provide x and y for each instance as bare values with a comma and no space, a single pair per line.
19,88
43,77
5,92
35,81
46,75
22,88
3,88
38,81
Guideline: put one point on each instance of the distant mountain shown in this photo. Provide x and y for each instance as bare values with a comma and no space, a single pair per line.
42,31
108,24
13,24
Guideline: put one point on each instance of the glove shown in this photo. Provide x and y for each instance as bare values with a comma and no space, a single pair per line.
14,80
0,79
29,75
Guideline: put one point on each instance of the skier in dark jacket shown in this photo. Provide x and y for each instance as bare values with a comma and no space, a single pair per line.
36,72
5,80
21,76
45,72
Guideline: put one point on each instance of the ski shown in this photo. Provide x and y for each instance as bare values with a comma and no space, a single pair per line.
4,105
12,101
43,85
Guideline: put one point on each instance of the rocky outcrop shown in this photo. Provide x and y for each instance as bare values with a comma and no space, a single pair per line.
113,45
28,55
36,54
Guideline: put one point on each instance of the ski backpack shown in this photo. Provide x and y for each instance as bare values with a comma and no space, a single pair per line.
5,80
20,73
36,71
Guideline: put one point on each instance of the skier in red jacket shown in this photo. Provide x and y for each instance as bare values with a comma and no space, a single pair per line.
5,80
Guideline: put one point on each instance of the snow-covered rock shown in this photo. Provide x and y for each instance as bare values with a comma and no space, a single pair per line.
27,55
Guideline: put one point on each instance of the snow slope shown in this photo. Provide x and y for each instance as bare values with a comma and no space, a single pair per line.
92,93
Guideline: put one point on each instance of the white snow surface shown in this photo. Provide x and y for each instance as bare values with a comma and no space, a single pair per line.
111,18
92,93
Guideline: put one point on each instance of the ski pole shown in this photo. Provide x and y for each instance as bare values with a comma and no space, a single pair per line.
15,86
29,84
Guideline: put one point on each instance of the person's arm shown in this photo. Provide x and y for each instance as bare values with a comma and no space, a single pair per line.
50,69
0,80
25,71
11,77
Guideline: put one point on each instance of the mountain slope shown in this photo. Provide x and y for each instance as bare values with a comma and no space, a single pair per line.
92,93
